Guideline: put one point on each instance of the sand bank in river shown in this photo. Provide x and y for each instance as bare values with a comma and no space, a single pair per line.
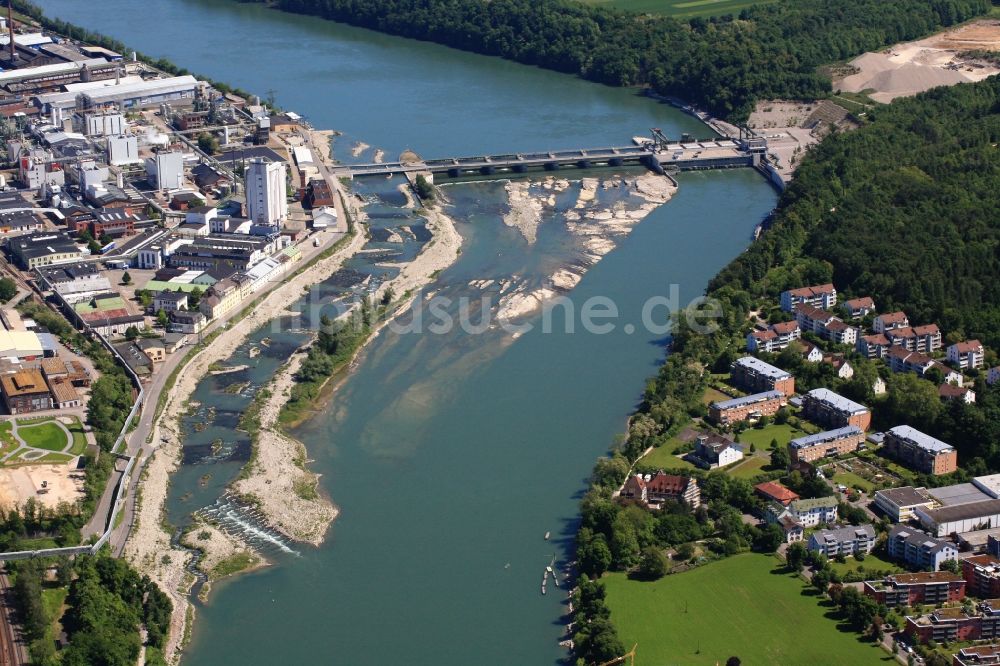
276,479
222,555
149,546
599,227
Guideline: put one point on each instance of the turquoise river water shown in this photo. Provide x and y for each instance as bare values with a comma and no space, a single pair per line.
450,454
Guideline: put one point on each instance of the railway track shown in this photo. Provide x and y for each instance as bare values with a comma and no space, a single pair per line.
12,652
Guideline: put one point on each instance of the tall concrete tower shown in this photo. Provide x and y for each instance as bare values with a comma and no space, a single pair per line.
266,199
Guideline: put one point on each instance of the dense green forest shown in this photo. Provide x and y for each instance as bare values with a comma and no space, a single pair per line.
106,605
905,209
722,64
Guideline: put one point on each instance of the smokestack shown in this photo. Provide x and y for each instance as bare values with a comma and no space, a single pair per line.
10,27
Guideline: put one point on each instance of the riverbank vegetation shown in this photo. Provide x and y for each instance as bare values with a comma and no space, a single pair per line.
723,64
106,606
903,210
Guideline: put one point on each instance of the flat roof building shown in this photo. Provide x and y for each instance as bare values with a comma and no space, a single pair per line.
898,504
920,452
829,443
956,519
752,374
835,411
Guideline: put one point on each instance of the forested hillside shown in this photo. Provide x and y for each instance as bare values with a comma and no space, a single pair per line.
722,64
906,210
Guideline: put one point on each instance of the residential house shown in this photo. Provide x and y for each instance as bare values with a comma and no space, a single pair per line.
993,375
848,540
982,576
920,452
901,360
878,386
910,589
898,504
825,325
220,298
830,443
829,409
713,451
840,333
751,407
873,346
841,366
968,354
806,512
811,352
752,374
977,655
654,490
25,391
924,339
918,549
949,392
951,624
889,321
820,296
192,321
792,530
774,338
857,308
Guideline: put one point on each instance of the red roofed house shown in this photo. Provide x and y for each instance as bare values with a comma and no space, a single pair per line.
820,296
653,490
924,339
873,346
889,321
773,338
968,354
775,492
952,392
858,307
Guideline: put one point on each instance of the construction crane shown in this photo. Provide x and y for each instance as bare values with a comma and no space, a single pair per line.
630,655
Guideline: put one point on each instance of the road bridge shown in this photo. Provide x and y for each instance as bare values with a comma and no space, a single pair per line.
718,153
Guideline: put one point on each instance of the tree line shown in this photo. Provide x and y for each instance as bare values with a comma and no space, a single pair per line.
722,64
106,605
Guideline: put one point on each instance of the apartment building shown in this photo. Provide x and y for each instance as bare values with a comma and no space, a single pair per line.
919,451
829,409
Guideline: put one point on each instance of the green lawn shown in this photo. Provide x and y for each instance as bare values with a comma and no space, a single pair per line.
851,480
872,562
7,442
761,438
680,8
79,438
663,458
713,395
749,467
45,435
735,607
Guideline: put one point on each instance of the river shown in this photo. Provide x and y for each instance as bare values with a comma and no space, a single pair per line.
451,454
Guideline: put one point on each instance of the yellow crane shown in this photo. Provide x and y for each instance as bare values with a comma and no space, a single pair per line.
630,655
